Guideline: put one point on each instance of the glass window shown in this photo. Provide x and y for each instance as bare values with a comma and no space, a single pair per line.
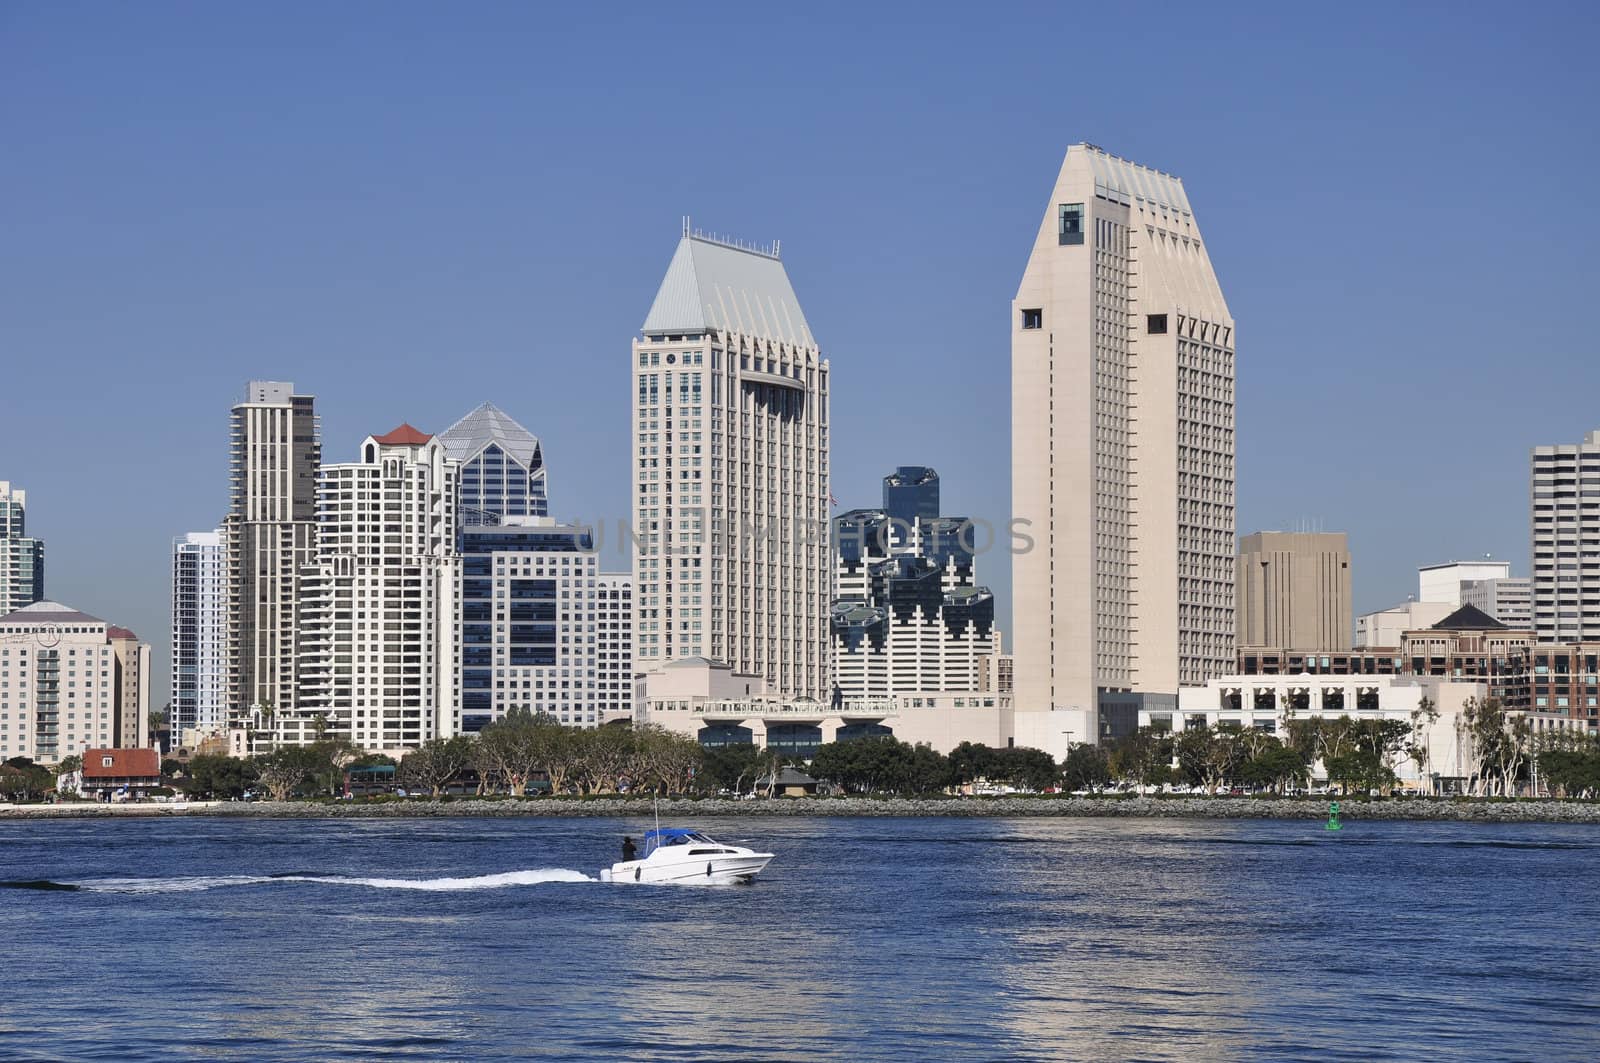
1071,223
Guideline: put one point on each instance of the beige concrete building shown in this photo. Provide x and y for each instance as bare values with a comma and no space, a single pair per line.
1444,582
1386,628
1122,451
730,432
1293,589
69,681
717,706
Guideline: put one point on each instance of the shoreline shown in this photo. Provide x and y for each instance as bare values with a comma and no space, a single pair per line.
1439,810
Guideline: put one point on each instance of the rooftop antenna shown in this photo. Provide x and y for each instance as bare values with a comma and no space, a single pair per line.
686,225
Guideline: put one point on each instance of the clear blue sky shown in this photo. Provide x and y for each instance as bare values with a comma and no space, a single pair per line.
410,208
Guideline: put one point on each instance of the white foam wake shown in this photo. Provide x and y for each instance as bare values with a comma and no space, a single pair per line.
531,877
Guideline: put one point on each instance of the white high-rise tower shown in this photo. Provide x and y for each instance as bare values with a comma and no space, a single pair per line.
730,431
1122,453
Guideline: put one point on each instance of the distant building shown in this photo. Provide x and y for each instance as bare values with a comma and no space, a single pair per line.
1122,451
1442,583
1508,600
908,614
69,681
270,535
613,611
378,613
21,557
996,672
199,633
1293,589
717,706
131,724
502,467
730,439
1566,541
542,628
1387,627
1271,660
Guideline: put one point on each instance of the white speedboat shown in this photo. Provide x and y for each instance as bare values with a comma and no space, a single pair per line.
687,857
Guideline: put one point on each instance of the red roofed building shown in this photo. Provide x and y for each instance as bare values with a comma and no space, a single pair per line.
108,771
404,436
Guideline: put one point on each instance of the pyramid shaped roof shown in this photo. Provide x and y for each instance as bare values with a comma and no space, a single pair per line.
1469,618
487,424
404,436
711,285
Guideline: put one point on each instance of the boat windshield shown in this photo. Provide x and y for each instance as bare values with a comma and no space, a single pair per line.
670,836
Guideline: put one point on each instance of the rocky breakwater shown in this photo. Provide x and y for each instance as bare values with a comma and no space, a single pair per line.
1541,811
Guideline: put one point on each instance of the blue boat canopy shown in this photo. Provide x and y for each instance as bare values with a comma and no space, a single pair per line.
667,833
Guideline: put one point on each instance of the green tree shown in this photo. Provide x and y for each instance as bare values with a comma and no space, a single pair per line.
520,744
882,764
1144,757
286,770
1274,765
728,767
1085,767
71,764
1209,756
23,780
1360,770
436,763
216,775
972,761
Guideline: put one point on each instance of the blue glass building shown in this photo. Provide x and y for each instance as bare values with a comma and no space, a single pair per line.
502,467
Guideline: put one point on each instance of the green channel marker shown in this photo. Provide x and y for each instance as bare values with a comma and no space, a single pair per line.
1333,816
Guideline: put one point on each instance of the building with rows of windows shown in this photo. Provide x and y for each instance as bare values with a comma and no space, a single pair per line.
908,615
542,629
378,612
21,556
1122,453
70,681
199,634
730,433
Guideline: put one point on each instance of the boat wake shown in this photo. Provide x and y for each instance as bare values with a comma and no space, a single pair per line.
194,883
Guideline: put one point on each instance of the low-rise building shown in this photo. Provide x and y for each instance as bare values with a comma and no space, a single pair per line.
1269,703
112,774
717,706
1386,627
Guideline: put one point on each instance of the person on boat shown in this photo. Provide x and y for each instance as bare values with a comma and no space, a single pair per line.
629,850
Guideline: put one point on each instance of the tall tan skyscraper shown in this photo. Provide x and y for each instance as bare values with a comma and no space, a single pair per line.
730,429
270,535
1293,590
1122,451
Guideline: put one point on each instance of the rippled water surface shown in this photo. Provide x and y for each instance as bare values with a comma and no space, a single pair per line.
900,939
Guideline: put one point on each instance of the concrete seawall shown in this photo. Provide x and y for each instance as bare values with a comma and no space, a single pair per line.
1530,811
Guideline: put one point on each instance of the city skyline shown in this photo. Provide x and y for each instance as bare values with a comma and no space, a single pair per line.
315,290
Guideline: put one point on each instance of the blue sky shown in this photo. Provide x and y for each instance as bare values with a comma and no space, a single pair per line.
410,208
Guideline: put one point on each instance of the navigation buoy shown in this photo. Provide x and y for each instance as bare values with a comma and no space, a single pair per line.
1333,816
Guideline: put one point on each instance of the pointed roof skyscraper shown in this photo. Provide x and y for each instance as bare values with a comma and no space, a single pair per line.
502,466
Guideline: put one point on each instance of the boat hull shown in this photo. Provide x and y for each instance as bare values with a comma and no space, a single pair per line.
720,870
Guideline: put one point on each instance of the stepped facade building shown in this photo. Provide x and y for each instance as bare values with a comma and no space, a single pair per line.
908,615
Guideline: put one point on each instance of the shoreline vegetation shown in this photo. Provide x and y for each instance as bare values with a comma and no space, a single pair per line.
1527,810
